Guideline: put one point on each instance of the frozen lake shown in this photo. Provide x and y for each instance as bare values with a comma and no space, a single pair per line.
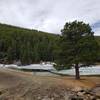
31,66
93,70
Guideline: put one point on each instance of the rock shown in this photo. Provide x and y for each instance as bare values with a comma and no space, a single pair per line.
39,98
77,98
45,98
55,95
97,94
96,91
92,97
80,93
66,96
76,89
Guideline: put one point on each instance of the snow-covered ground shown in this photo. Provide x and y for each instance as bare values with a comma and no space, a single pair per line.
1,65
38,66
7,66
31,66
93,70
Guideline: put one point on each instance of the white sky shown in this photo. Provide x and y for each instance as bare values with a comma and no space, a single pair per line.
50,15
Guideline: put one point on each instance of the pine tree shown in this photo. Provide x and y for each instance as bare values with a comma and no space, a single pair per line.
78,45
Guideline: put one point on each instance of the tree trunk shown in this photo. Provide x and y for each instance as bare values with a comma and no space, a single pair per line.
77,72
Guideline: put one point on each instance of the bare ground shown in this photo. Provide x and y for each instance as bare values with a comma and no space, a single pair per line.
17,85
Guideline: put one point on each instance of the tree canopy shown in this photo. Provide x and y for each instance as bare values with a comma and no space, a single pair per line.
78,45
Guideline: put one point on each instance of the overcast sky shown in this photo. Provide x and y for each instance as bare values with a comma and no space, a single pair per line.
50,15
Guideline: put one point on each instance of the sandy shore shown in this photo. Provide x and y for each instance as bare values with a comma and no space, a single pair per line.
17,85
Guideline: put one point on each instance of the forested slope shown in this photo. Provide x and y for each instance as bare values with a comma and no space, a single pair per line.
97,39
28,46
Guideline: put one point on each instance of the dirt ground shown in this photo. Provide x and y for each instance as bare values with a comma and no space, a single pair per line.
17,85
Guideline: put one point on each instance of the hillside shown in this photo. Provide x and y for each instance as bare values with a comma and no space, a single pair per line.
28,46
98,39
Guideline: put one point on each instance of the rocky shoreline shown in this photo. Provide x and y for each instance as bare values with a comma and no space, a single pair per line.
53,94
93,94
85,94
18,85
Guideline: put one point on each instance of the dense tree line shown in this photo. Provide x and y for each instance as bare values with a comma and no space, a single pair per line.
28,46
